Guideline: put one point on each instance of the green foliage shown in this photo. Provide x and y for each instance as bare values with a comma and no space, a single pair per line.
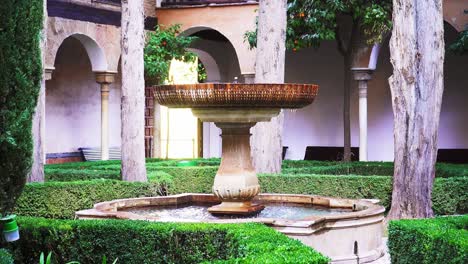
64,194
146,242
311,22
429,241
20,77
48,260
62,199
202,75
5,257
460,46
164,45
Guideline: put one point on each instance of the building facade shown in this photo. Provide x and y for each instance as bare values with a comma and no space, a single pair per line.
83,57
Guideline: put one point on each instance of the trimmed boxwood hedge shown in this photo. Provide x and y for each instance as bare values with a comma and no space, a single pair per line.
429,241
62,199
99,181
145,242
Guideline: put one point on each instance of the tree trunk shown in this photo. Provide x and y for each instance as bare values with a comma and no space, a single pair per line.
347,107
133,92
38,124
417,55
269,68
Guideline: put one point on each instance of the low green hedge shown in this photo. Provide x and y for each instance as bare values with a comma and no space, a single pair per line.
62,199
449,196
429,241
140,242
5,257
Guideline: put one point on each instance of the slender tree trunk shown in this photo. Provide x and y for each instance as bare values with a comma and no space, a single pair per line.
133,92
347,107
417,55
269,68
38,125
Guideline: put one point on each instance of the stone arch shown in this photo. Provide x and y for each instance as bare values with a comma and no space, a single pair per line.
211,66
230,20
454,14
104,39
216,51
95,52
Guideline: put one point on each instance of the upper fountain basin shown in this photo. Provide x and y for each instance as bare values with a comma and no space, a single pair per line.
235,95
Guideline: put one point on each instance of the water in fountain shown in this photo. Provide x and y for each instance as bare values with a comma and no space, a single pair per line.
199,212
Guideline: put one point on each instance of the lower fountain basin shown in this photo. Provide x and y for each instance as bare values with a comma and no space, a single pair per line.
348,231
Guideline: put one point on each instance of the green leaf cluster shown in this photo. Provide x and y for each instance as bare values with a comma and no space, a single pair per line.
20,77
76,186
163,45
311,22
429,241
5,257
147,242
460,45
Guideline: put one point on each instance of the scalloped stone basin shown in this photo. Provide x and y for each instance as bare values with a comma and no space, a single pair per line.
235,108
348,231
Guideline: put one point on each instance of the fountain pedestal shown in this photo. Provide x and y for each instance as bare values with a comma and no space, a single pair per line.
236,182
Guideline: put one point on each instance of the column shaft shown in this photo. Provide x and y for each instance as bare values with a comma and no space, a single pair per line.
363,120
105,79
104,121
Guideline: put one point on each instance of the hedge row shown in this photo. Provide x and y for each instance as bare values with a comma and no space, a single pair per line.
62,199
449,196
429,241
111,169
146,242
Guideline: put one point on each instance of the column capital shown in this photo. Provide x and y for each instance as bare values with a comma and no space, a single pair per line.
105,77
48,70
362,74
249,77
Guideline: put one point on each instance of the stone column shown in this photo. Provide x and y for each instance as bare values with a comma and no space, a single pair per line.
248,77
362,75
105,79
156,129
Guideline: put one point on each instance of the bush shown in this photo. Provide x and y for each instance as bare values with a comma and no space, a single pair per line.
449,196
5,257
62,199
429,241
147,242
20,77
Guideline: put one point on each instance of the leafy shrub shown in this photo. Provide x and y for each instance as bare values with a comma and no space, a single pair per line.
5,257
429,241
146,242
62,199
164,45
20,77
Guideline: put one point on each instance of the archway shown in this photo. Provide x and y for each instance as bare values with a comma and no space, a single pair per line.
73,101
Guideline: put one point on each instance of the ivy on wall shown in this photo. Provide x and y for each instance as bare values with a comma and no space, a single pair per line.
20,77
460,45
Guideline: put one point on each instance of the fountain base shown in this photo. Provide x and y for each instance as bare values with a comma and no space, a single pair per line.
236,208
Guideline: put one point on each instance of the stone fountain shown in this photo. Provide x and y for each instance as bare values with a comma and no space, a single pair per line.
348,231
235,108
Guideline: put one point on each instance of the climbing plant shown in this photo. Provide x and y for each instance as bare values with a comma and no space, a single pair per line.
20,76
163,45
353,24
460,46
